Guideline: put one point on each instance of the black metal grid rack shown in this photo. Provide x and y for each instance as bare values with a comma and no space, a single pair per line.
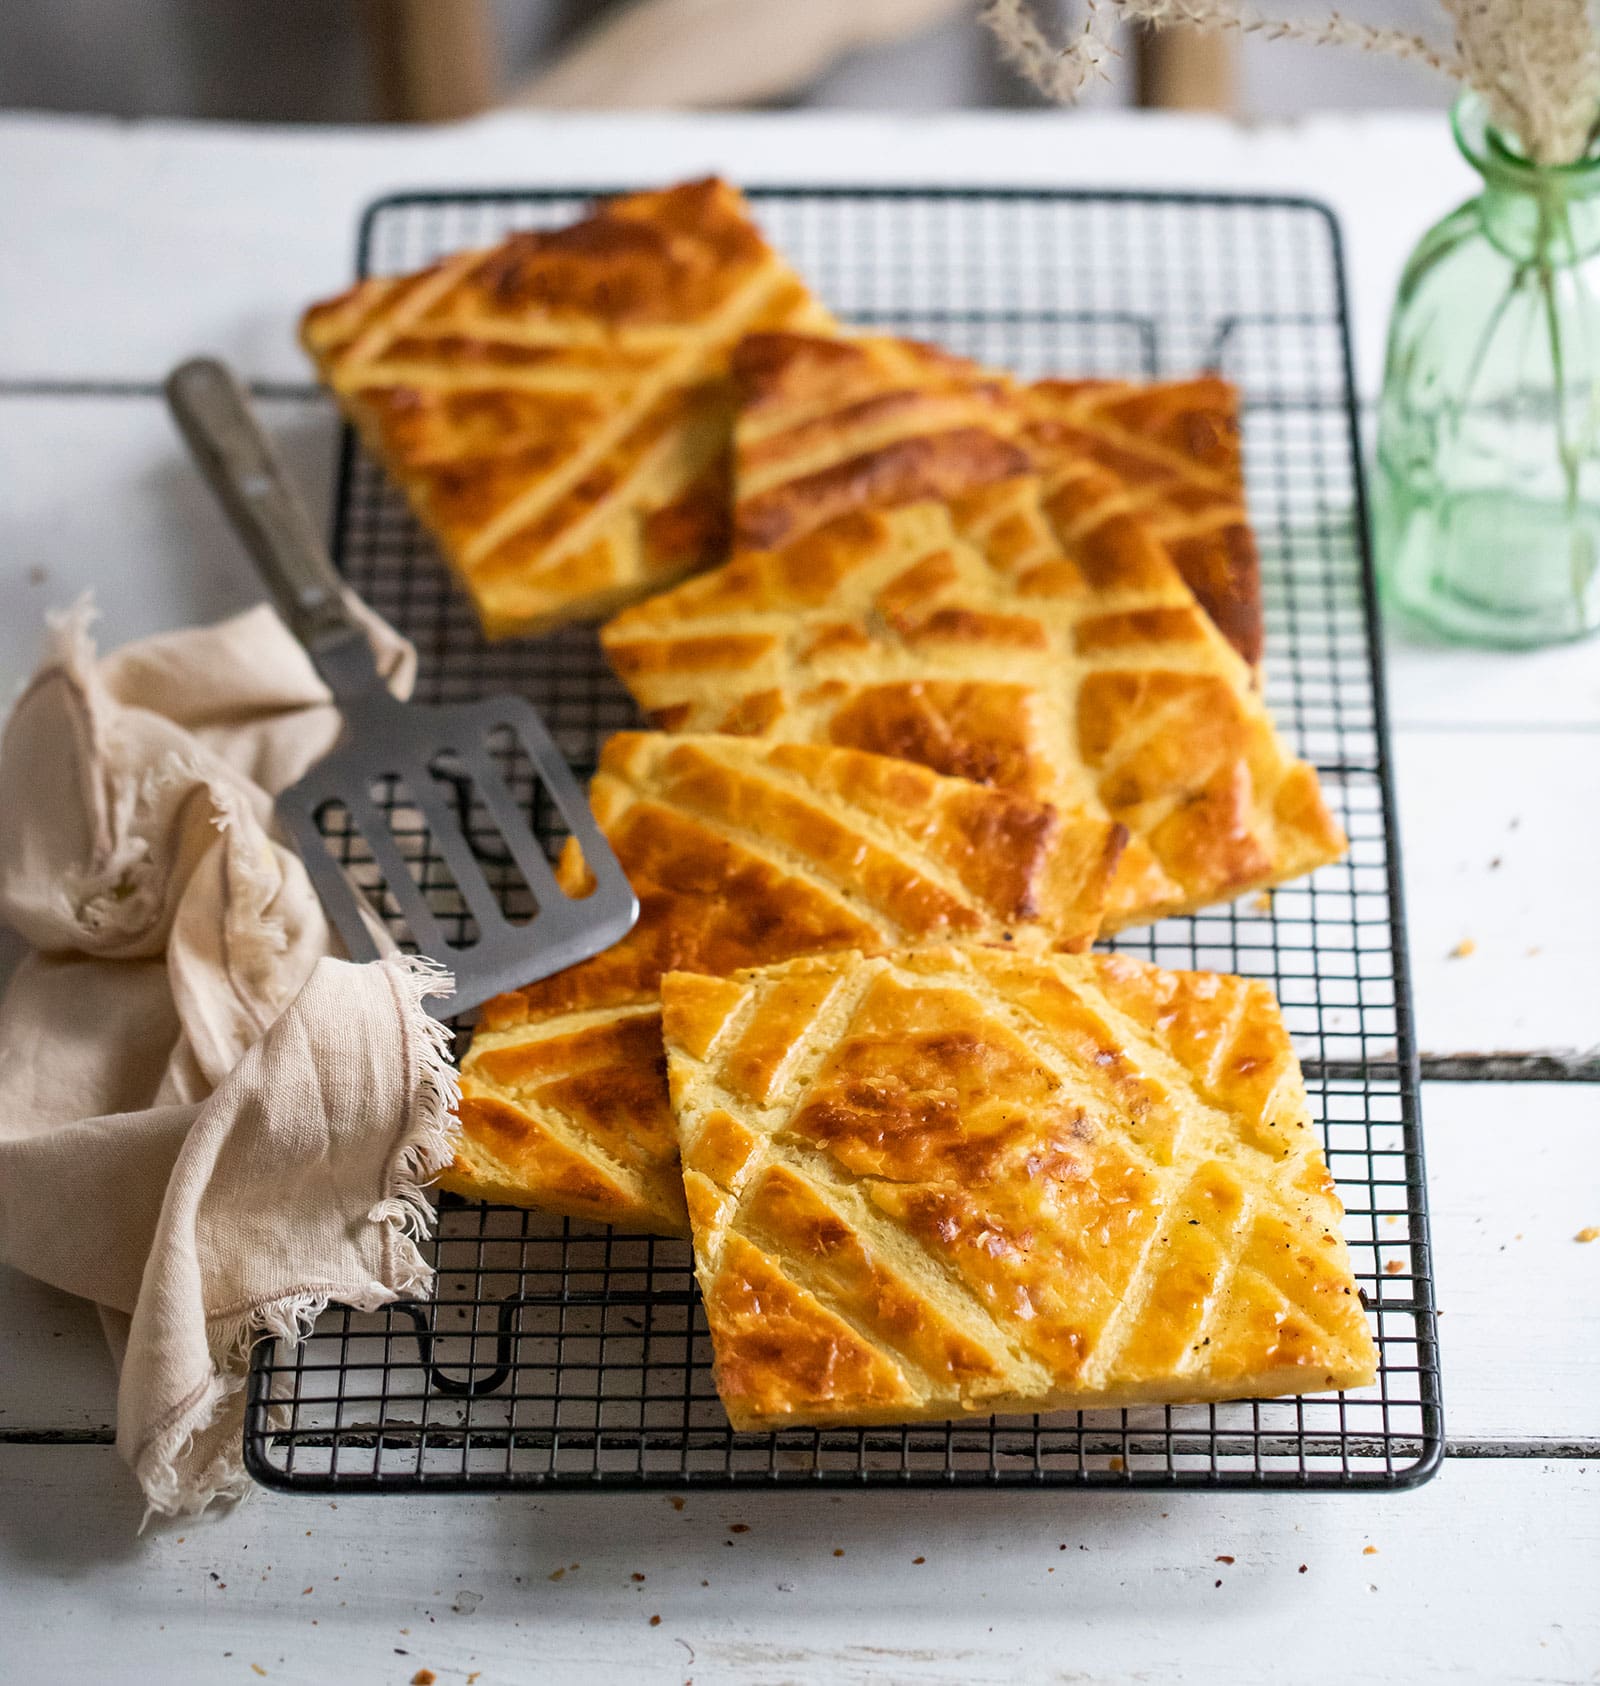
561,1356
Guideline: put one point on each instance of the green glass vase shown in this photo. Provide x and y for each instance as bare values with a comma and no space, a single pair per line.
1486,501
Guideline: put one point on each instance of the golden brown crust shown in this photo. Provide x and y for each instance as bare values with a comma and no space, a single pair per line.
740,852
1175,445
557,409
830,425
1031,639
827,425
966,1180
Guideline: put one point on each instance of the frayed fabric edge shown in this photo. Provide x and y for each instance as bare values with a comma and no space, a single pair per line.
425,1147
428,1144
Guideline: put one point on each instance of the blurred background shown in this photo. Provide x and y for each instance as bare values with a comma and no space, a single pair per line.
358,61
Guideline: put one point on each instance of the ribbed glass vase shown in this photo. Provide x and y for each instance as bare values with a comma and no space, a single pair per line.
1486,500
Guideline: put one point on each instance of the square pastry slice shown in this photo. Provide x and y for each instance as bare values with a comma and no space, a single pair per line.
556,408
961,1180
828,424
742,852
1033,639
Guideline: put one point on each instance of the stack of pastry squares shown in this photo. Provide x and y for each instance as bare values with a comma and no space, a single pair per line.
966,675
918,575
742,852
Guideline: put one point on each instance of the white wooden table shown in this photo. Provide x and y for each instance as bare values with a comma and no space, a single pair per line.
127,248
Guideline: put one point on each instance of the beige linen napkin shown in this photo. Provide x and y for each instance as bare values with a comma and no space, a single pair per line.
207,1126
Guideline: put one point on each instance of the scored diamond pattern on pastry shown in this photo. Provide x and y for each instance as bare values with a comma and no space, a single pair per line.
966,1180
556,408
1029,635
742,852
1174,446
829,424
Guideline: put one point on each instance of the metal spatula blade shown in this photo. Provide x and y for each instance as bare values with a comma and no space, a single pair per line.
389,748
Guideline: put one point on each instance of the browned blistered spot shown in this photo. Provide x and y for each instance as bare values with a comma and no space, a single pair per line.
974,730
764,365
713,652
1137,626
932,466
779,1351
958,625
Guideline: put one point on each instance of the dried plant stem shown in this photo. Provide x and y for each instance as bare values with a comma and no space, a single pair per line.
1331,30
1060,71
1536,63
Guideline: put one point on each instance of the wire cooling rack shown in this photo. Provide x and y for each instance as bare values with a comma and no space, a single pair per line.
558,1355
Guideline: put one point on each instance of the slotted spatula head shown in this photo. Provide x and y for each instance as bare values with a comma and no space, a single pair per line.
431,768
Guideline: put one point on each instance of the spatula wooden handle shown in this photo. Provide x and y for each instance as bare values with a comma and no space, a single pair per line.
213,414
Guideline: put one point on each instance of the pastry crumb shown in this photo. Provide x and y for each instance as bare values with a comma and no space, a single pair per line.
655,1621
1369,1551
1116,1465
1395,1266
1463,949
924,1559
1223,1558
1589,1232
1262,901
423,1677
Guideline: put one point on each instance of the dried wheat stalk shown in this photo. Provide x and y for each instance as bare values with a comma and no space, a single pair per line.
1536,63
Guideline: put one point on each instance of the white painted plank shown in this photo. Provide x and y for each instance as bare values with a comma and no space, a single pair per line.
100,496
55,1369
1514,1177
1498,830
85,203
1488,1573
1467,691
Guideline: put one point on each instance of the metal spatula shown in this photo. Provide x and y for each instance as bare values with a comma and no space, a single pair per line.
388,744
